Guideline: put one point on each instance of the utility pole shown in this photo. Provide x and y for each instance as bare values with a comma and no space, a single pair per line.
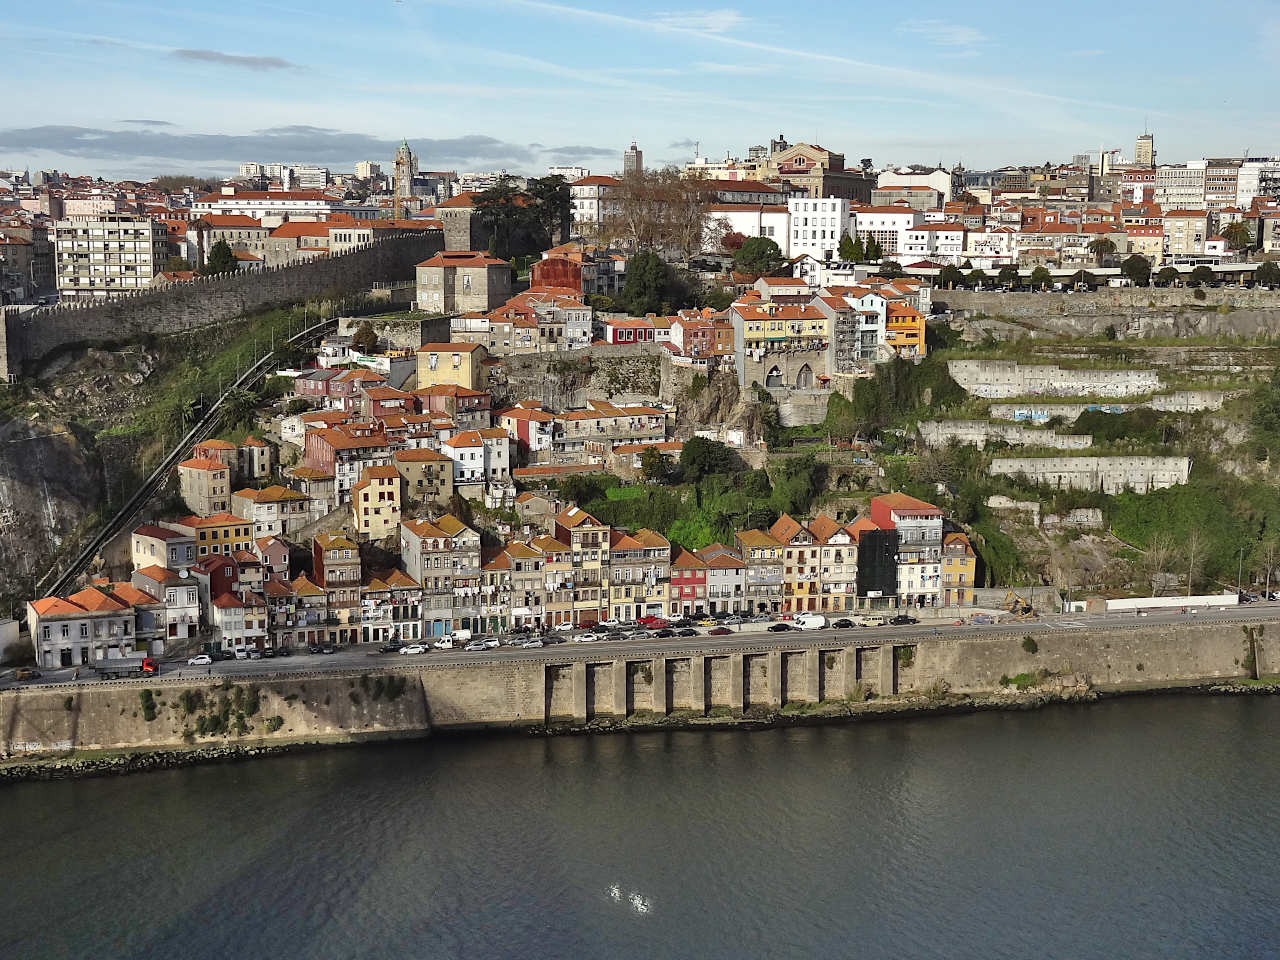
1239,572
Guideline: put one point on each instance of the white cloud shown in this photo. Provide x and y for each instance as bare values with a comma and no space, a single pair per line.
734,68
955,38
710,21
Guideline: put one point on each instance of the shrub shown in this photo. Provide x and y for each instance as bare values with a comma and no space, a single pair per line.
1029,644
274,724
906,656
191,701
148,702
69,704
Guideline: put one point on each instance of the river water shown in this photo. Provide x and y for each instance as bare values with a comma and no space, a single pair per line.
1136,828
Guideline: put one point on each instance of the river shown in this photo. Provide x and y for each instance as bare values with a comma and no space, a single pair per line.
1143,827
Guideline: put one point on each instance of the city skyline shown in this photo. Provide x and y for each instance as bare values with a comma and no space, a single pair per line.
328,87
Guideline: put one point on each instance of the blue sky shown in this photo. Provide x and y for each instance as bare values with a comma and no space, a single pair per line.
138,88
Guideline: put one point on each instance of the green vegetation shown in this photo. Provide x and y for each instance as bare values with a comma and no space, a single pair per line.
221,260
191,701
1023,681
69,704
1029,644
274,723
148,701
758,255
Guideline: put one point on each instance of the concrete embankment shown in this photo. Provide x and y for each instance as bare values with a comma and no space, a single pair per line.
799,678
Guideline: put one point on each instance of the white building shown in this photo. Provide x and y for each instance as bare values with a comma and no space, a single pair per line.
888,226
941,180
107,254
936,241
817,226
283,204
770,220
589,200
479,456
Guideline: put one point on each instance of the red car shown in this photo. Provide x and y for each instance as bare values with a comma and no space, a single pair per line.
653,623
719,631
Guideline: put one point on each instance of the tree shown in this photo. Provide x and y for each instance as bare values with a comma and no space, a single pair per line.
221,260
176,263
1159,552
1167,275
1193,552
950,276
1137,268
1201,274
732,241
551,206
1237,235
460,508
874,250
365,339
1267,554
653,465
1268,273
1008,276
847,248
1102,247
701,457
1084,278
1041,277
647,283
859,250
976,278
891,270
759,255
505,213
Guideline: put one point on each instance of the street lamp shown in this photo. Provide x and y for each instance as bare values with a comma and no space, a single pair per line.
1239,573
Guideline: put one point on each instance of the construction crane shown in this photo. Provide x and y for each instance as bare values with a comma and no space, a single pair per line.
1020,608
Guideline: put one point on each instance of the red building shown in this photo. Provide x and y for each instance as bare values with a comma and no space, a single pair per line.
688,584
556,271
630,330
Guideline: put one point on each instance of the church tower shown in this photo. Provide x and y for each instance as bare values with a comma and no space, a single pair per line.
406,167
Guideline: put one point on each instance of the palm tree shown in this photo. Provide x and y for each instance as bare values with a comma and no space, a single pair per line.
1102,247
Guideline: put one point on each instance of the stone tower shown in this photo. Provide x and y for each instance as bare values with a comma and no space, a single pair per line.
406,166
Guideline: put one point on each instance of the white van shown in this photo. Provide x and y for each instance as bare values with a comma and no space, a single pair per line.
460,636
810,621
444,643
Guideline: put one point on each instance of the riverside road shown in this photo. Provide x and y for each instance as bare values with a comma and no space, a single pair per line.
746,637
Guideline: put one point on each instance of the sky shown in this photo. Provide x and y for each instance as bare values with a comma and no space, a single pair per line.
135,89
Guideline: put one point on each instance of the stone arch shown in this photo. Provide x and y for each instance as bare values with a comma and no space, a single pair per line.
804,377
774,377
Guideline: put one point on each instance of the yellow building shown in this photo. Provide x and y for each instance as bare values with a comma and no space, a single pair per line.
959,570
762,324
904,330
375,502
456,363
801,564
223,533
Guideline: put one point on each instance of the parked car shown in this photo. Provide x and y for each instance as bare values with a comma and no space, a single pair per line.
255,653
779,627
328,648
810,621
733,621
844,623
313,648
392,646
413,648
444,643
688,632
760,618
903,619
285,651
474,646
31,673
490,644
199,660
563,627
682,622
718,631
610,624
242,653
708,622
530,644
664,633
587,637
871,621
268,653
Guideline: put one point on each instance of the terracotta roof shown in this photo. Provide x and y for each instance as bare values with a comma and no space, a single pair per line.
685,560
158,533
448,347
420,456
463,258
55,606
303,587
901,502
96,601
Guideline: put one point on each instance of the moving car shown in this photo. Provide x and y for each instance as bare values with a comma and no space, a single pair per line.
490,644
413,648
871,621
474,646
200,660
391,647
903,619
587,637
28,673
779,627
530,644
810,621
844,623
718,631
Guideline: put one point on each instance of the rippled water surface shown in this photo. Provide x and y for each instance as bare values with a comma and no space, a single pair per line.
1139,828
